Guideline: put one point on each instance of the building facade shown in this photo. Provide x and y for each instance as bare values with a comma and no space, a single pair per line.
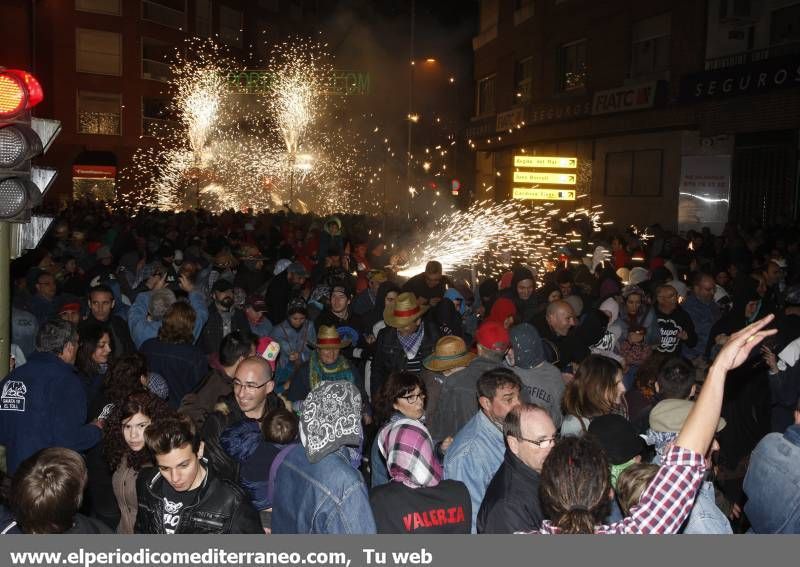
104,65
681,113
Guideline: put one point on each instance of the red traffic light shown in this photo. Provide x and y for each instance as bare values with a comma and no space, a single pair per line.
19,91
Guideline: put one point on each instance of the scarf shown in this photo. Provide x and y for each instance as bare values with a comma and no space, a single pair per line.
318,372
410,457
412,342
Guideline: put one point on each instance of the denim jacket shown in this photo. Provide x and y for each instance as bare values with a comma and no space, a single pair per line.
474,457
328,497
706,517
142,328
772,484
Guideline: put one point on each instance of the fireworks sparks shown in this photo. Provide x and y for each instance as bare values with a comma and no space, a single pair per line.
490,237
226,150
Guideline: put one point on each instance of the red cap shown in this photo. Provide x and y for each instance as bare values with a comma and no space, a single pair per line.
70,307
494,336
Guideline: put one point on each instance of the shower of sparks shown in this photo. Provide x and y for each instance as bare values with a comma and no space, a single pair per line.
223,150
491,237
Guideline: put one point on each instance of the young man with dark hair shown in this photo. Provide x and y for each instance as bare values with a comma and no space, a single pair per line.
46,494
477,450
430,285
181,495
101,309
676,379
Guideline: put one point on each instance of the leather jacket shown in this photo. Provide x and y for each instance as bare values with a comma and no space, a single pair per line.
221,507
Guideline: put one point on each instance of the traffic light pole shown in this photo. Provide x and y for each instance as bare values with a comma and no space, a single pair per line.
5,297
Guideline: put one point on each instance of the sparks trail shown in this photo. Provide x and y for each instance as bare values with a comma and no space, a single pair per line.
492,236
223,150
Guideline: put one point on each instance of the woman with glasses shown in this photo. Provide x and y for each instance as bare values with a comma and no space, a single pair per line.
402,397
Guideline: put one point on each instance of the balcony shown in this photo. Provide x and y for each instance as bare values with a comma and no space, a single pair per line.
484,37
753,56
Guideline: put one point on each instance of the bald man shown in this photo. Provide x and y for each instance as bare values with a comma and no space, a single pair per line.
251,399
563,347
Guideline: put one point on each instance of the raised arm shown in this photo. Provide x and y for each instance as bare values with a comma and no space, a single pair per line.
701,424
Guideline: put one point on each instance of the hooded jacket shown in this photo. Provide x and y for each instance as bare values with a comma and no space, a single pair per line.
526,309
541,381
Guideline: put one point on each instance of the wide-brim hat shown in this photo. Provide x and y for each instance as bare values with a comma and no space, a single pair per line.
404,311
450,352
328,338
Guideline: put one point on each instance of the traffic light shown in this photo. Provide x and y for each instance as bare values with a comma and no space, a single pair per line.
22,138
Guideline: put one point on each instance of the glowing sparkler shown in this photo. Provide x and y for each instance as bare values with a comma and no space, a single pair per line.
492,236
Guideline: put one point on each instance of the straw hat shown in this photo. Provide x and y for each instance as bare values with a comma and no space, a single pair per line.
404,311
328,337
450,352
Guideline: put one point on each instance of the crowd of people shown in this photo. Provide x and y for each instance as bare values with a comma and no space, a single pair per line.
273,373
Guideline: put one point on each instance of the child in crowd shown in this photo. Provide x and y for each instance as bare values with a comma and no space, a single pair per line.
635,351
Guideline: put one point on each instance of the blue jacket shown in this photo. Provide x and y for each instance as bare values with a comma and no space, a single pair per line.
474,457
142,328
703,315
772,484
328,497
706,517
182,366
43,404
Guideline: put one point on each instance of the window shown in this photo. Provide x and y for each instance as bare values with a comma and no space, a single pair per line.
203,19
99,113
523,80
231,23
157,116
110,7
489,13
98,52
169,13
636,173
651,46
572,66
785,25
485,96
155,57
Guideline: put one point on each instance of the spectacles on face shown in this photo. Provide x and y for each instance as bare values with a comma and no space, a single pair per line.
541,443
248,386
413,398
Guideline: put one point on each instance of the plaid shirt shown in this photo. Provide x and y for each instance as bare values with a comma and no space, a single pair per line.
665,503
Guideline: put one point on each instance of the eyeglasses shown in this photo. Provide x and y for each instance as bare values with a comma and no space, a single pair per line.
542,443
249,386
413,398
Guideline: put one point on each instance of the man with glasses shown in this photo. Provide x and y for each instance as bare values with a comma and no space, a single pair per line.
477,450
512,502
252,398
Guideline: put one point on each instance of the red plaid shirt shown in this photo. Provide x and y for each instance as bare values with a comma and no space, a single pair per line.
665,503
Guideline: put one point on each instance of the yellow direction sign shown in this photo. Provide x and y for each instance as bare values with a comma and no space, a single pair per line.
546,161
544,178
544,194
